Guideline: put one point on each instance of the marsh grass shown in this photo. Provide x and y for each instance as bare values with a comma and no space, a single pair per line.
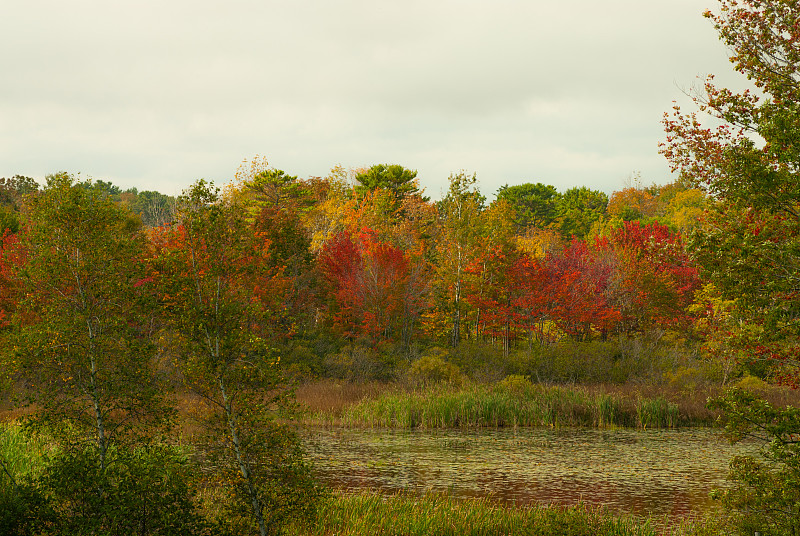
327,398
656,413
21,454
514,401
607,410
373,514
507,404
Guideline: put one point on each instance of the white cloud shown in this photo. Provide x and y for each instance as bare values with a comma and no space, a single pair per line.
157,94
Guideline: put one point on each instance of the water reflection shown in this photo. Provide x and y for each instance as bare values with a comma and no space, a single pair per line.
641,472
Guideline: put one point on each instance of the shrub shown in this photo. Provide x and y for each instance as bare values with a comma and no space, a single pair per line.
360,363
139,491
432,370
280,478
516,383
766,494
480,361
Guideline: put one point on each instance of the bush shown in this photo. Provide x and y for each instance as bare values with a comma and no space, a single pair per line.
694,375
766,494
479,361
360,363
139,491
516,383
574,362
24,510
432,370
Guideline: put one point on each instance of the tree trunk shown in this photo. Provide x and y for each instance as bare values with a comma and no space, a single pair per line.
244,467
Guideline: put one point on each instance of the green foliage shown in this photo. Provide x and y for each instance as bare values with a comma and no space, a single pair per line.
624,360
282,481
586,362
23,507
18,185
694,376
273,187
9,220
481,362
25,511
20,454
356,362
139,491
766,492
579,210
458,242
750,246
395,178
82,329
535,205
47,490
516,383
153,207
12,193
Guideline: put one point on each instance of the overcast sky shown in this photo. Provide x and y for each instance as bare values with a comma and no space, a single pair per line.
156,94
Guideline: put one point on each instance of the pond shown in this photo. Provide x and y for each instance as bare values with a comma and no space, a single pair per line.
658,472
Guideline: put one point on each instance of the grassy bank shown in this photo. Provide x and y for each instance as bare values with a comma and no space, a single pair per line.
372,514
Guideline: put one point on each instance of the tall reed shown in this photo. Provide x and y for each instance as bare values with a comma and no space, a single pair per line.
656,413
506,404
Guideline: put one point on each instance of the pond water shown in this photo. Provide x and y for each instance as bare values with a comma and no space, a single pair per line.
658,472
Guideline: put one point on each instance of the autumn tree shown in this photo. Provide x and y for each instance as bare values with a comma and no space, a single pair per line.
532,279
634,203
749,245
276,204
330,212
656,277
685,207
221,294
457,244
494,294
83,340
577,291
374,291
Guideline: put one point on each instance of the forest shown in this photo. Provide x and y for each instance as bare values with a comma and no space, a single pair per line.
362,266
161,356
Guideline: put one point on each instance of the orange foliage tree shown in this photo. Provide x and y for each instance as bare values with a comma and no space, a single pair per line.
372,286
